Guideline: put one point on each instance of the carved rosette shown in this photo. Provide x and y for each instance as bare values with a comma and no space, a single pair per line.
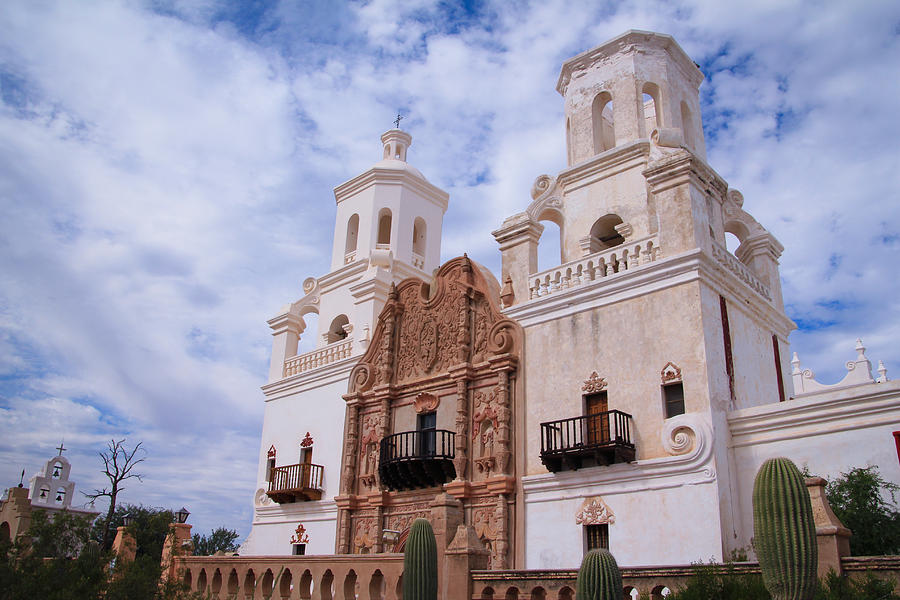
594,511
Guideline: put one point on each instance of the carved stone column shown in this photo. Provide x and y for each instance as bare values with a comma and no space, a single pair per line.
351,447
503,423
461,459
501,516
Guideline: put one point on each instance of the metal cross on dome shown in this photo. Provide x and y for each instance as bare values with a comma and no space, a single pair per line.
397,121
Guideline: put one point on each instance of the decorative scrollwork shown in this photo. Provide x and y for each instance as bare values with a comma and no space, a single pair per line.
541,185
309,284
361,378
501,337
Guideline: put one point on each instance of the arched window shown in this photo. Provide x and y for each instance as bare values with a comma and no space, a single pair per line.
336,331
384,227
550,246
650,97
604,234
687,125
602,122
352,238
419,236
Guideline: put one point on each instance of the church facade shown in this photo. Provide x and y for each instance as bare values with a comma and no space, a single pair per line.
618,399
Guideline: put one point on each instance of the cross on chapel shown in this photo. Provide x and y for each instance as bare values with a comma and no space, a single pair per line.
397,121
62,448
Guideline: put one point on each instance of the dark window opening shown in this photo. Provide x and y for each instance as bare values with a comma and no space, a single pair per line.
597,536
299,550
426,424
674,398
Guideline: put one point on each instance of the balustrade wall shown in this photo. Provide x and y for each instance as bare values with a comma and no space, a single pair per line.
340,577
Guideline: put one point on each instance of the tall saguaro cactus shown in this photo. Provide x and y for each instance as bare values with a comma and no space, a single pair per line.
420,563
784,531
599,577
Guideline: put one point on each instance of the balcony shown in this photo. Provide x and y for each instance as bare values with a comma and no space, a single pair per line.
296,483
598,439
417,459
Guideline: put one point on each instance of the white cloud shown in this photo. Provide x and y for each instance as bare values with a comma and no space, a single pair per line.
165,181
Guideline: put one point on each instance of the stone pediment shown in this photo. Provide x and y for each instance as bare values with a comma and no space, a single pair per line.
424,330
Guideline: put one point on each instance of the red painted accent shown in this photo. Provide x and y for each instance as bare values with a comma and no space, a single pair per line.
307,441
897,440
271,452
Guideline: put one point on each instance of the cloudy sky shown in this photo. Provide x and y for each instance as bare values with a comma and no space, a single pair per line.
166,172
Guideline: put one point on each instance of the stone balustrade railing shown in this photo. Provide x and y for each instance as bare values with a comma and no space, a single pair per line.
293,577
418,260
743,272
318,358
594,267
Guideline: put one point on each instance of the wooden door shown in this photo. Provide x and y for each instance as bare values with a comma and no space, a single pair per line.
305,467
597,419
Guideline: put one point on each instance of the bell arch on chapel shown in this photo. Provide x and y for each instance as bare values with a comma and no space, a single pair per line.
441,350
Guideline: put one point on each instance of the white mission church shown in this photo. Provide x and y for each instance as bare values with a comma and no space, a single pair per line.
614,400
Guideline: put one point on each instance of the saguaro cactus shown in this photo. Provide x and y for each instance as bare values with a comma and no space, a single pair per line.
784,531
420,563
599,577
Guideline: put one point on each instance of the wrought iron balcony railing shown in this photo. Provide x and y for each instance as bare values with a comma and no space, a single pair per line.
293,483
603,438
415,459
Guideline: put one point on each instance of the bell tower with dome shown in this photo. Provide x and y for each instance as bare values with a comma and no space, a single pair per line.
387,228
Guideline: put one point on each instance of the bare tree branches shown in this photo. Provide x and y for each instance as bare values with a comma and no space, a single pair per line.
118,466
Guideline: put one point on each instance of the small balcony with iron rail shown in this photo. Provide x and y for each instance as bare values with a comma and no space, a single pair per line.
597,439
417,459
296,483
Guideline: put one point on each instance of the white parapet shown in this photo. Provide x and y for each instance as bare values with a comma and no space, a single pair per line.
596,266
859,372
318,358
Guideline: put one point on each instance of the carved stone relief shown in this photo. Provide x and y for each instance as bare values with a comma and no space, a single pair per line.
368,463
426,403
593,384
670,373
366,536
594,511
490,524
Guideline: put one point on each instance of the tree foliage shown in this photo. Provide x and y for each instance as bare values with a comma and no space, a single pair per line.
219,540
864,502
149,528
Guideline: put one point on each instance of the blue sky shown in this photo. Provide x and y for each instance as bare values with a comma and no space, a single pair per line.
166,172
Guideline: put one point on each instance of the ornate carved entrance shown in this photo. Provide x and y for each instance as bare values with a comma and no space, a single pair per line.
430,408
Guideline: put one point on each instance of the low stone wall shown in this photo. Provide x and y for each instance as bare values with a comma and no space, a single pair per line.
884,567
560,584
362,577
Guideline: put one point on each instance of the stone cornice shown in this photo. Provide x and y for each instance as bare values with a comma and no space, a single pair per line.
378,175
683,167
764,243
339,276
331,373
516,230
285,322
816,414
606,164
686,267
618,44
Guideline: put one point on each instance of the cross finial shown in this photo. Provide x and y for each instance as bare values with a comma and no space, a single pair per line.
397,121
62,448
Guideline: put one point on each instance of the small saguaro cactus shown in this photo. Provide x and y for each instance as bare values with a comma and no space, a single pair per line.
784,531
599,577
420,563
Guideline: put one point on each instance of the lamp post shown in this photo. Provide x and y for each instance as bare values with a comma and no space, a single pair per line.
128,519
178,543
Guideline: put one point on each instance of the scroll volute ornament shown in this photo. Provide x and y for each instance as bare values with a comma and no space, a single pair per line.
502,336
426,403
